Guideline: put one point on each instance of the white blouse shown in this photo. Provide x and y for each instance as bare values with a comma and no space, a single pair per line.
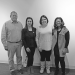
44,36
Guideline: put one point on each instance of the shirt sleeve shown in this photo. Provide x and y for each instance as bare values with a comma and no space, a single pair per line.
22,26
53,32
67,38
23,39
37,36
3,35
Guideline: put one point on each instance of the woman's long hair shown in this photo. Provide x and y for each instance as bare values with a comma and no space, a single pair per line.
62,23
26,27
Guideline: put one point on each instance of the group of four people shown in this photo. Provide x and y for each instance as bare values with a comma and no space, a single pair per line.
14,36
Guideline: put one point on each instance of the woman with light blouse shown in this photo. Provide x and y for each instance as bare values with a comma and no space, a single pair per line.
44,42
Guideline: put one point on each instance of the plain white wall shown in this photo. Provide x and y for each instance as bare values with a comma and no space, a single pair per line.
34,9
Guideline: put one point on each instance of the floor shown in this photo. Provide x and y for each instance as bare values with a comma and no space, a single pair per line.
4,70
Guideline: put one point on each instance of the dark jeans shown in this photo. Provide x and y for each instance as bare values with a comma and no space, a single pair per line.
62,63
45,55
30,56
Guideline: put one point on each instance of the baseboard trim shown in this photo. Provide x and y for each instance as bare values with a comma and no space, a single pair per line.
38,64
67,66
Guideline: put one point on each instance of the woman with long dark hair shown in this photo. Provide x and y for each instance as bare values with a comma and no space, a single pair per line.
60,44
28,40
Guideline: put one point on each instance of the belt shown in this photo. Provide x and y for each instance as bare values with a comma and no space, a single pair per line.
14,42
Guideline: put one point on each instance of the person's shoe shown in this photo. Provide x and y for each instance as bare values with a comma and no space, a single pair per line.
24,69
42,66
29,70
20,71
56,72
48,71
41,70
32,71
48,66
13,73
63,73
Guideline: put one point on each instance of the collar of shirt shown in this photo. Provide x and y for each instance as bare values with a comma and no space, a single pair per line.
14,22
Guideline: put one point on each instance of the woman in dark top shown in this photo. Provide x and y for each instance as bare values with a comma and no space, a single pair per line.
60,43
28,40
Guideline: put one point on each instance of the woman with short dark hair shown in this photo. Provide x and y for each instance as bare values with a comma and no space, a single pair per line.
44,40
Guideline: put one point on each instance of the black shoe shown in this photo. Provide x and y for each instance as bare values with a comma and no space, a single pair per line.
63,73
56,72
13,73
20,71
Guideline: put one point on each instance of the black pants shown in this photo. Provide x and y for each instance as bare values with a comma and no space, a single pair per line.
45,55
62,63
30,56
